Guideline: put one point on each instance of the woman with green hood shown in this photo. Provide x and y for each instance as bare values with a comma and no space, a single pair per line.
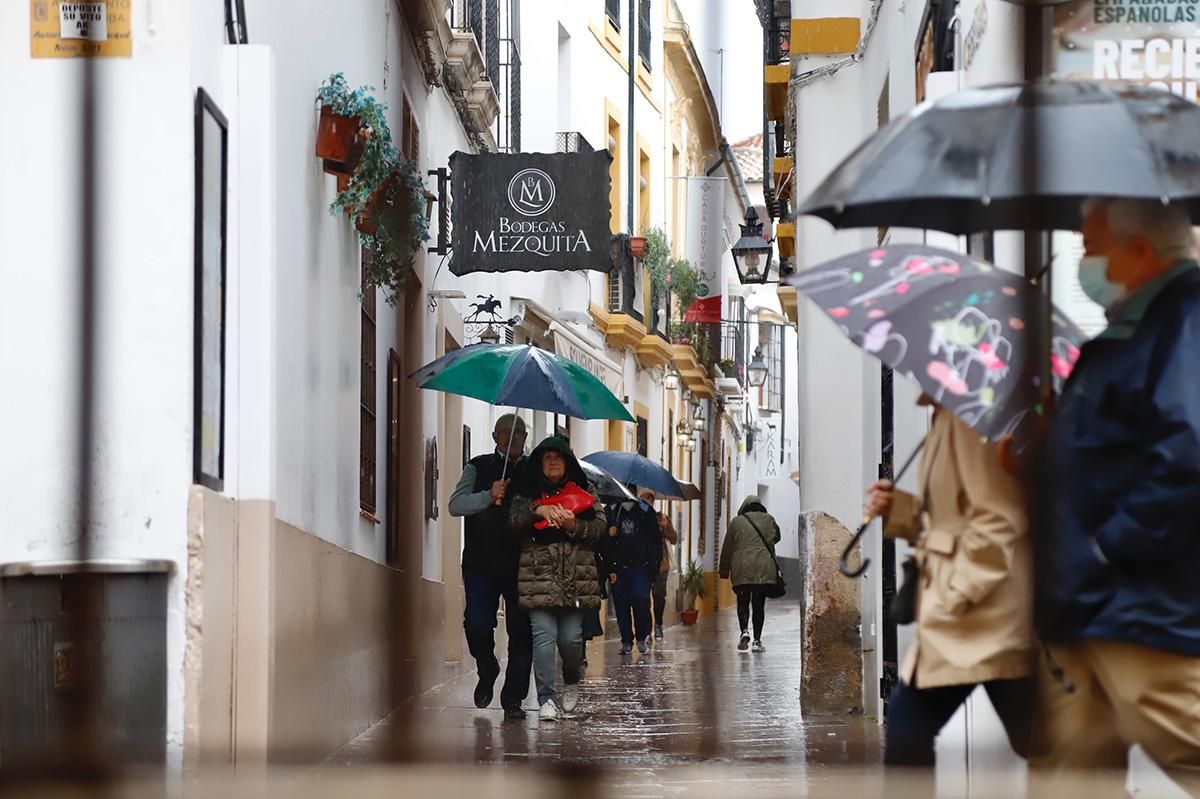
748,561
557,580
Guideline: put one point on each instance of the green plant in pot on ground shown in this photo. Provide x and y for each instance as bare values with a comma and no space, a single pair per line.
692,584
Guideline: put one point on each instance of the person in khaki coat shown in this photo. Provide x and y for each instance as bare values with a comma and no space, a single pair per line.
973,599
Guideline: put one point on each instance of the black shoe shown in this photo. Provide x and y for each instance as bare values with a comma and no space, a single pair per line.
514,713
484,690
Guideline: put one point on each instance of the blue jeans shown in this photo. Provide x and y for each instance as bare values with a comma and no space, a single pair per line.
561,629
916,715
483,592
631,597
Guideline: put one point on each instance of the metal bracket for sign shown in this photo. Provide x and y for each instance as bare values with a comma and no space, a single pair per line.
443,240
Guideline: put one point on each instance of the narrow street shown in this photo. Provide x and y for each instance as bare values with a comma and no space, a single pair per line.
644,716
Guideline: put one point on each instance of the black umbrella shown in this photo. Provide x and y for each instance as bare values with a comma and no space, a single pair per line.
607,487
1017,157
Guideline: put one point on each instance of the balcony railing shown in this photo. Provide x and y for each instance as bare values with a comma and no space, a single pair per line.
495,24
571,142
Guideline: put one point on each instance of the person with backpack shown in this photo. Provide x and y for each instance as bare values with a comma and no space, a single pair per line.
632,551
748,561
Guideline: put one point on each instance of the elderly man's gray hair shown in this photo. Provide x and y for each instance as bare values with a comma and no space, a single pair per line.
1168,228
510,421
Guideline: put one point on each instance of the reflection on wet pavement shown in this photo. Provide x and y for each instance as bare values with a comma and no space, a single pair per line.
643,714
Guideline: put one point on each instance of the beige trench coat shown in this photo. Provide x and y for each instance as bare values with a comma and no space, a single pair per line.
975,592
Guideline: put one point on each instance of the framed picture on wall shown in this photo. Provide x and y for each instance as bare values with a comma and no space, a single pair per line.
212,157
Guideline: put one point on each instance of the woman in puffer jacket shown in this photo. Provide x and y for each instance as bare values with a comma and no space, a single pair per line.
557,578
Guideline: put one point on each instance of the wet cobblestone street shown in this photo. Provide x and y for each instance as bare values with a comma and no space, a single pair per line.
643,715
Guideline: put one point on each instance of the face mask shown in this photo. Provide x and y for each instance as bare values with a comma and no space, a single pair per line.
1093,279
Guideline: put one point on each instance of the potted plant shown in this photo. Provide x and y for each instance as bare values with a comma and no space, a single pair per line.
729,368
340,131
637,246
693,586
393,228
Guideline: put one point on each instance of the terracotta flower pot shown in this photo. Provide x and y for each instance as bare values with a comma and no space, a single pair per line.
366,221
339,142
688,617
637,246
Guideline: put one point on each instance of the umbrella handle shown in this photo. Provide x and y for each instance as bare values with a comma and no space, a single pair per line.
512,433
843,566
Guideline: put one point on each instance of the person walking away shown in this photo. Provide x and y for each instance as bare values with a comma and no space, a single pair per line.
632,552
489,568
1118,556
748,562
557,579
658,591
974,576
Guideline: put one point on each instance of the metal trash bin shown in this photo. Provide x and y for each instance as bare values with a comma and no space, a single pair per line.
39,607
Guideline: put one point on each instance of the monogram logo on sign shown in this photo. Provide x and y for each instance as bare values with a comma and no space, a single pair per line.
531,192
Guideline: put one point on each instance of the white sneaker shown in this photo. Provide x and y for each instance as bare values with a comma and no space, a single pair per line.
744,641
758,647
570,697
548,712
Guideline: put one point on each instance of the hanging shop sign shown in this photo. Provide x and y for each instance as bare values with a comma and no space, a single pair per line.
706,246
62,29
530,212
1156,43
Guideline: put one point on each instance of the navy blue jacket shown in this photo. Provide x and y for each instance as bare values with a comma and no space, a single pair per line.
1119,542
638,542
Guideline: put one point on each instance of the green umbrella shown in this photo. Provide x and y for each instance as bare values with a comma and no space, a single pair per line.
522,376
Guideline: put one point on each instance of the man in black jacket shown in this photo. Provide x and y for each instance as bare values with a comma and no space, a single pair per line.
631,555
489,568
1119,541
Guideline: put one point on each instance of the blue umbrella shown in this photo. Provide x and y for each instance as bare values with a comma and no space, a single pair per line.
629,467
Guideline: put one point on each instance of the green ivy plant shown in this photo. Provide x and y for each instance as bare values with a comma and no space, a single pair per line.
379,153
401,227
399,211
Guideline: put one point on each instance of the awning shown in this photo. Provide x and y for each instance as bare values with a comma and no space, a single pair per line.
572,346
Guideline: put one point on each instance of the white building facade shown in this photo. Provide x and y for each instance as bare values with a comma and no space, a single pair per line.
336,469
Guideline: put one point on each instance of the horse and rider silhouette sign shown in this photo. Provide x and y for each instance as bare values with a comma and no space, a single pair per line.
530,212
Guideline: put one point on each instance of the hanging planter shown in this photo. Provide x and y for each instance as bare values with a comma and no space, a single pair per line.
637,246
365,223
392,228
339,142
382,193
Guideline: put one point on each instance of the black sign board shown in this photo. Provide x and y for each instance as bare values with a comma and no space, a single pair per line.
530,212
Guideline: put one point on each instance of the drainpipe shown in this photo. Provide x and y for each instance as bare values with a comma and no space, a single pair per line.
632,156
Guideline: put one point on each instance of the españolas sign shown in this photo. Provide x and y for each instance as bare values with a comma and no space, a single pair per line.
63,29
1155,42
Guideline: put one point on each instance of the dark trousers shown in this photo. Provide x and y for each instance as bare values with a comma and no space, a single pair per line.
916,715
752,596
483,593
658,593
631,597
